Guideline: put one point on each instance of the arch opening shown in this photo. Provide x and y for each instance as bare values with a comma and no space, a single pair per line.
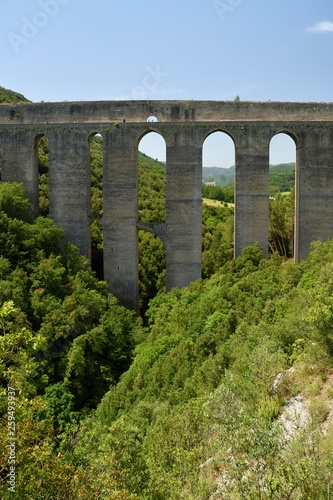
152,216
282,180
152,178
95,142
41,148
218,173
152,119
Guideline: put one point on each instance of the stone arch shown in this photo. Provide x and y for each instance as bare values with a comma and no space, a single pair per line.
224,134
229,143
287,132
152,119
147,131
219,129
283,151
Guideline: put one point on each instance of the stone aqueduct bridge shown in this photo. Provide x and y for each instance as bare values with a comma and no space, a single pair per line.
184,125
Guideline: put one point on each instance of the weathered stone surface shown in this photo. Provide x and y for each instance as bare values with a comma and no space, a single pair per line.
166,111
120,214
184,125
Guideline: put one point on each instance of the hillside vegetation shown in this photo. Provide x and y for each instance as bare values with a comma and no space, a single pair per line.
197,407
194,414
9,96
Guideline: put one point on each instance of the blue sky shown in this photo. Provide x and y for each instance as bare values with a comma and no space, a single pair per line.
56,50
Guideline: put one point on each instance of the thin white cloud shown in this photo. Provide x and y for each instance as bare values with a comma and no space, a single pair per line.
323,27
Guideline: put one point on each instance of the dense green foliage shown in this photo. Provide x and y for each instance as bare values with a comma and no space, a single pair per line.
194,415
281,224
225,193
152,210
217,238
196,408
176,424
73,332
152,186
63,338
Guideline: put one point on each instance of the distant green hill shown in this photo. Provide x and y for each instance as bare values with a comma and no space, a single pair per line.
281,176
9,96
222,176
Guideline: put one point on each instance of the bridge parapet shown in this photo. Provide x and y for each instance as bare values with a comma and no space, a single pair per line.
164,111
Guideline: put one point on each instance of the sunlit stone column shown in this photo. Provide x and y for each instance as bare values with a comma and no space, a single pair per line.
69,185
314,187
20,164
120,214
252,188
183,207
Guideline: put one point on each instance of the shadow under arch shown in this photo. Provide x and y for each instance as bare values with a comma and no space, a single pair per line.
95,152
283,160
151,148
41,172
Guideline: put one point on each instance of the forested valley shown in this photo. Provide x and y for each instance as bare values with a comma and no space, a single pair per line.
188,400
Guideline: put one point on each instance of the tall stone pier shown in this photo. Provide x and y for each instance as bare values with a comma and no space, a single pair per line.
184,125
